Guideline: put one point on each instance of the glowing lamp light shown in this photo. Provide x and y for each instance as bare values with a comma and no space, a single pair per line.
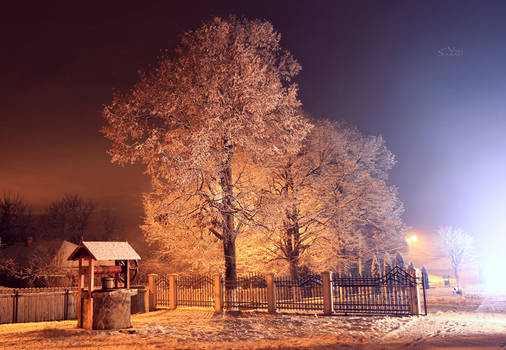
412,239
493,272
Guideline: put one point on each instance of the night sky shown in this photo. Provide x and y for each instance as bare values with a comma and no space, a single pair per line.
430,76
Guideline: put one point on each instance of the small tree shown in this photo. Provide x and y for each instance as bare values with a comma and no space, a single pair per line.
109,226
387,263
68,218
425,278
399,260
375,268
459,247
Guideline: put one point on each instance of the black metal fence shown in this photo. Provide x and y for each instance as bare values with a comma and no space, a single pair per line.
395,292
195,291
384,294
248,292
304,294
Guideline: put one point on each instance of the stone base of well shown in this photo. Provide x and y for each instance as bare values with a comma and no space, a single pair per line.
111,308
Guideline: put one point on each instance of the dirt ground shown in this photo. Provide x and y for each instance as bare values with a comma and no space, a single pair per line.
471,322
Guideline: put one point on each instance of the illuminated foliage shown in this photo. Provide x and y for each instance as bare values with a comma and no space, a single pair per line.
330,203
225,100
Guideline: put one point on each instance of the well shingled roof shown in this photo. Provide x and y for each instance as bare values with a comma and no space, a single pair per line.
105,251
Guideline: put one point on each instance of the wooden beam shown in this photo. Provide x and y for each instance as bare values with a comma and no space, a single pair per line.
79,301
127,277
91,276
88,302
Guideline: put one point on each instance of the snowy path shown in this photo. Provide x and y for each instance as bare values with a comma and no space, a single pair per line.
476,324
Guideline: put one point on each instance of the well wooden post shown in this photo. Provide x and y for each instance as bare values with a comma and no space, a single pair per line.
172,292
328,304
151,291
218,293
271,293
88,302
79,297
127,277
414,291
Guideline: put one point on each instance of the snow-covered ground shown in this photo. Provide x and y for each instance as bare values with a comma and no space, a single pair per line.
454,322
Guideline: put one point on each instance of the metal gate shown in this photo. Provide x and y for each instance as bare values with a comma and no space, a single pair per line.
390,293
248,292
162,290
195,291
304,294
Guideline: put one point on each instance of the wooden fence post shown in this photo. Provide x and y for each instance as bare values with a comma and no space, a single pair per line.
218,293
271,293
172,292
327,293
414,291
15,306
152,291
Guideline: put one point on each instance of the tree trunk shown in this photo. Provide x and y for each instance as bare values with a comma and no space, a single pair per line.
227,215
230,263
294,268
293,243
457,276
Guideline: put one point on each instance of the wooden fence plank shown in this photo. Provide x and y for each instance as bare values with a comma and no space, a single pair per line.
6,308
38,305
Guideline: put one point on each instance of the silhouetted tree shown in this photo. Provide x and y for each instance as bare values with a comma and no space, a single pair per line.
110,226
68,218
15,219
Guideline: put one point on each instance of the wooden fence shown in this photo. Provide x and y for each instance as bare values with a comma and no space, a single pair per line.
37,305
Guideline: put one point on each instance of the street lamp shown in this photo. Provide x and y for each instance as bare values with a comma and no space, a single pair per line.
411,239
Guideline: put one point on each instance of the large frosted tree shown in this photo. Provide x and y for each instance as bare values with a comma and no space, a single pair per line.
225,99
329,204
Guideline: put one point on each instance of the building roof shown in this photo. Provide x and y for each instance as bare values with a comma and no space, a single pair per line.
104,251
46,252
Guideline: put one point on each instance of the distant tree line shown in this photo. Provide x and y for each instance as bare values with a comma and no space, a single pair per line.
68,218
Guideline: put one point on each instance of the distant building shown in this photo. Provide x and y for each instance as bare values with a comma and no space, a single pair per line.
37,263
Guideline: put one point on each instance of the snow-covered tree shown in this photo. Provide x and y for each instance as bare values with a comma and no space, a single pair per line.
365,211
224,101
458,246
387,263
293,212
375,268
399,260
323,201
